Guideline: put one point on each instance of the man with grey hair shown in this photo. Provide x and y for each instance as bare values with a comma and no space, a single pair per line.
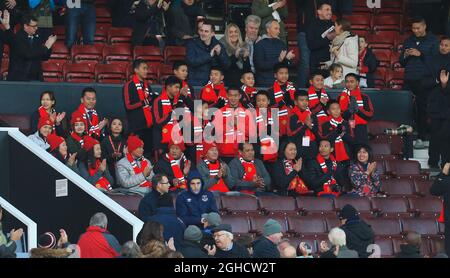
269,51
338,247
97,242
130,250
266,246
224,246
252,24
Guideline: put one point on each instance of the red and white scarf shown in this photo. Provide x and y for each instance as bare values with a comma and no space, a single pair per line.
297,184
269,148
344,102
144,96
283,110
314,101
77,138
43,113
210,95
214,168
137,170
249,95
301,119
177,172
339,146
167,130
327,186
92,123
184,84
249,169
102,183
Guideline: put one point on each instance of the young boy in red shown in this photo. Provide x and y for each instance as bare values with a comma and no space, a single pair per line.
214,93
248,91
318,97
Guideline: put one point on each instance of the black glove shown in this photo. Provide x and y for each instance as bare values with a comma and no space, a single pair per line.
353,105
339,128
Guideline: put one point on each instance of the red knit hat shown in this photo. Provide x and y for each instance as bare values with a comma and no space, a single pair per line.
207,146
44,121
54,141
179,144
77,117
134,142
89,143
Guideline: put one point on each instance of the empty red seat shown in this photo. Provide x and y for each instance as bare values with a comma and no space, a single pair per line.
314,205
240,204
382,40
360,6
332,222
52,71
380,167
391,7
436,245
362,205
257,223
401,187
60,52
239,223
377,127
129,202
101,33
174,53
103,15
392,206
118,35
426,206
116,53
424,226
164,72
380,148
148,53
386,247
360,21
306,225
79,73
385,227
278,205
87,53
395,142
395,78
404,168
383,57
111,74
60,32
423,187
380,78
387,22
23,122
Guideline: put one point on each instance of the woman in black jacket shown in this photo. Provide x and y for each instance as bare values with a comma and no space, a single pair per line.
113,145
287,172
368,63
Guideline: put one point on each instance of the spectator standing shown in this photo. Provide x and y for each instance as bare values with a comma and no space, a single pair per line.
203,53
148,29
120,13
43,10
266,246
238,53
319,34
182,21
269,51
416,49
97,242
252,24
306,13
84,15
367,65
269,10
28,51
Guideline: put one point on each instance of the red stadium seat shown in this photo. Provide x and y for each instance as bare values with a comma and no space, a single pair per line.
387,22
315,206
332,222
153,72
4,69
52,71
257,222
377,127
306,225
174,53
103,15
391,7
360,21
164,72
392,206
398,187
116,53
380,78
360,6
400,40
395,60
361,33
292,37
383,57
395,78
119,35
239,223
404,168
434,242
111,74
296,52
385,227
426,206
101,34
60,32
382,40
240,204
23,122
148,53
362,205
425,226
278,205
60,52
380,148
381,167
79,73
423,187
386,247
129,202
6,51
425,249
87,53
395,142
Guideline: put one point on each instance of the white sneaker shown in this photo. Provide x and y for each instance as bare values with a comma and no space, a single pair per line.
419,145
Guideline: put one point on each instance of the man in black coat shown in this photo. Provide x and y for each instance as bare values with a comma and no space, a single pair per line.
438,104
358,233
182,21
203,53
192,247
441,187
225,248
410,249
153,200
319,35
28,51
266,246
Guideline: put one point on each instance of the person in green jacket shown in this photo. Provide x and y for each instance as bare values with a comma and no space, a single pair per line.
261,8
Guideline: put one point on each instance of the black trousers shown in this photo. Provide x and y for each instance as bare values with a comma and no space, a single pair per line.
436,149
146,136
420,106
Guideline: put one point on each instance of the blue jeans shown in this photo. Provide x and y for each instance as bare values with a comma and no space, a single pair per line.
84,15
303,67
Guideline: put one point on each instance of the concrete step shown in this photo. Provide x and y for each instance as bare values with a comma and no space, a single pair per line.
423,153
423,162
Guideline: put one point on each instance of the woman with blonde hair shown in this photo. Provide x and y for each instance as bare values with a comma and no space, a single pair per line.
238,51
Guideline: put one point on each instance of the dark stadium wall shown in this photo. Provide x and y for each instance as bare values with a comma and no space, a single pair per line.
4,164
23,98
32,190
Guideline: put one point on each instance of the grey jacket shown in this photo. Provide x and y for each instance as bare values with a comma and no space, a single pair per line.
203,169
38,140
128,180
237,171
345,253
